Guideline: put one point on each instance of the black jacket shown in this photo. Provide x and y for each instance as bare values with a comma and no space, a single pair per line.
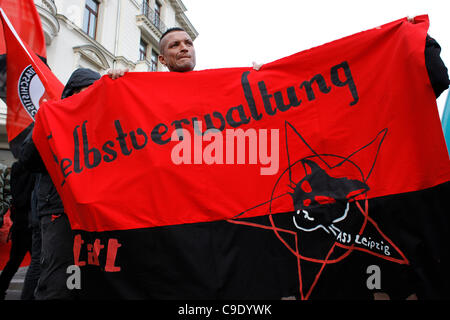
436,68
48,201
22,184
47,198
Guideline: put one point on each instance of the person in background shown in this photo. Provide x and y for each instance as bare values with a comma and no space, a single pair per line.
22,183
34,269
56,234
5,191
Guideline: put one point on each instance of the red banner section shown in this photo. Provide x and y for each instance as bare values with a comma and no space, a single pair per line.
350,120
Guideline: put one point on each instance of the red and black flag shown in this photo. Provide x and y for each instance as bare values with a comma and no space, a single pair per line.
28,79
314,169
25,19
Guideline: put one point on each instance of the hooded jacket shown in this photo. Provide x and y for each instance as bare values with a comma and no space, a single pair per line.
48,200
80,78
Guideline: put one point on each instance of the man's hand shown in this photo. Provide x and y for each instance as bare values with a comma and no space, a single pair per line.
117,73
410,19
256,66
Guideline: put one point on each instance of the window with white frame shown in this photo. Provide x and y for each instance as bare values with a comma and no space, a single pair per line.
154,61
143,50
90,17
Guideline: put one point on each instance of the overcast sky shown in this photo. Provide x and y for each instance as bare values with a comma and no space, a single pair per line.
234,33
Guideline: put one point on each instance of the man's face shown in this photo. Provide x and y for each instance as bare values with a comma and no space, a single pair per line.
177,52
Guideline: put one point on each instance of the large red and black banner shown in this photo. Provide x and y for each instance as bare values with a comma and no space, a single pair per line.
315,167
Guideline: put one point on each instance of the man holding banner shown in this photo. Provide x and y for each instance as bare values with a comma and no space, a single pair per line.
178,54
206,252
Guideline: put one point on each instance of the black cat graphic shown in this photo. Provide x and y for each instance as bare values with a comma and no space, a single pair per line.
320,200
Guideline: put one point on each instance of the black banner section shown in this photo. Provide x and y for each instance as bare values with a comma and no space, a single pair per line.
223,260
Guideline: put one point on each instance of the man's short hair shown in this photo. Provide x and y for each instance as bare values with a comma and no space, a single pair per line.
169,31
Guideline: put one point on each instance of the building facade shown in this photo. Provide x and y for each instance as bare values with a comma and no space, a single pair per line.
101,35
